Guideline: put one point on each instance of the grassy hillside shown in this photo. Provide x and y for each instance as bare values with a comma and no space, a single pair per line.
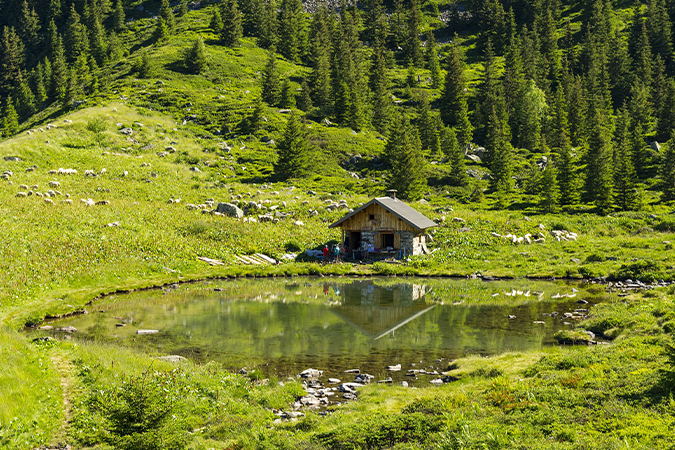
187,143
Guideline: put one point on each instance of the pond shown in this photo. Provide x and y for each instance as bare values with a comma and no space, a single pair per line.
282,326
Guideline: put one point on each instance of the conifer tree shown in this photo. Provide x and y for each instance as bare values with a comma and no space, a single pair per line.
549,191
413,47
216,23
59,71
426,124
118,16
54,11
599,176
30,26
293,151
291,29
514,80
666,114
166,13
231,32
379,86
267,36
39,80
287,96
162,32
25,99
195,60
11,60
500,153
271,89
453,106
455,156
255,121
659,29
667,171
640,125
97,40
403,154
531,109
52,39
577,108
434,66
182,8
489,98
619,66
642,58
304,101
76,40
624,172
566,176
10,119
320,50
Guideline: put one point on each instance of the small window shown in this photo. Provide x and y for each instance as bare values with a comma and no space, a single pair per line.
371,217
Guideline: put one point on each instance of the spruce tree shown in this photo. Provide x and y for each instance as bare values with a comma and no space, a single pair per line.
76,40
455,156
434,66
162,32
255,121
166,13
567,177
118,16
640,126
403,155
549,191
624,172
319,59
666,114
10,119
40,80
97,40
25,99
379,87
453,97
291,29
659,29
426,125
293,151
500,153
231,32
267,36
304,101
30,27
195,60
182,8
11,60
413,46
667,171
59,71
216,23
599,176
271,89
287,96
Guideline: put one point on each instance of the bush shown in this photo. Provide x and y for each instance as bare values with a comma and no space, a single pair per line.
644,270
572,337
142,413
487,373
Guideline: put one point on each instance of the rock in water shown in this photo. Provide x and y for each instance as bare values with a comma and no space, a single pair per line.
230,210
311,373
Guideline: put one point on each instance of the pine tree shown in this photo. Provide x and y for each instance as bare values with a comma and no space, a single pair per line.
453,90
666,113
143,66
379,87
182,8
640,125
54,11
426,125
97,40
293,151
76,41
195,60
455,156
514,81
577,108
567,178
30,27
320,77
166,13
305,98
118,17
659,29
413,47
642,58
161,33
624,172
271,89
291,29
25,99
489,99
267,36
59,71
667,171
11,60
500,153
40,81
404,158
216,23
10,119
549,191
287,96
255,121
599,176
231,32
434,66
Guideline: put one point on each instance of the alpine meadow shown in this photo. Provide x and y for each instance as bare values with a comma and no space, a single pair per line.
163,149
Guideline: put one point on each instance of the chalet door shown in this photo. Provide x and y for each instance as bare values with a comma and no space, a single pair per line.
397,241
354,241
378,240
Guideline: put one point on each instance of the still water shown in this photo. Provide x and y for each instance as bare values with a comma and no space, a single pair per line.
285,325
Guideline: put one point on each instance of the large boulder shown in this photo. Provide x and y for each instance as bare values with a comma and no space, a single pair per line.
230,210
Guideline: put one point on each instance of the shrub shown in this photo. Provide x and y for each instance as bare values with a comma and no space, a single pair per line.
487,373
141,413
643,270
572,337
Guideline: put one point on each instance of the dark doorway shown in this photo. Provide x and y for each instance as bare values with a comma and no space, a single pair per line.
388,240
354,241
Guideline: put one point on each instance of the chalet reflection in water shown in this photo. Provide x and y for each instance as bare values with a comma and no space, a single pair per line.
377,310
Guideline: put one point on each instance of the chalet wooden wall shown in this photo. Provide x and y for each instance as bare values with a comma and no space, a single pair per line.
383,221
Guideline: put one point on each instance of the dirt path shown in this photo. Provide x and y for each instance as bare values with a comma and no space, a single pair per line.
65,370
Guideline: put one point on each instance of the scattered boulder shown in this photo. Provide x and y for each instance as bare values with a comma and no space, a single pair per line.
127,131
311,373
173,358
230,210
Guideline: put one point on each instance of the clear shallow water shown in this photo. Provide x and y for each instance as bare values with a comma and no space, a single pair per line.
284,326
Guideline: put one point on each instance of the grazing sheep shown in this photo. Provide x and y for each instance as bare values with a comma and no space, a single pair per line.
103,202
103,171
68,201
24,187
89,173
39,194
88,202
54,184
49,201
21,194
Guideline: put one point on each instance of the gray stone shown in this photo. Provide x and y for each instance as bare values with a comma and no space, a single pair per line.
173,358
69,329
363,378
474,158
230,210
147,331
127,131
311,373
12,158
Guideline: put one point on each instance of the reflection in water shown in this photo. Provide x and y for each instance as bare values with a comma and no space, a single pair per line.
288,325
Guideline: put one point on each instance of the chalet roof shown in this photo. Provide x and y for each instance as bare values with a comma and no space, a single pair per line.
400,209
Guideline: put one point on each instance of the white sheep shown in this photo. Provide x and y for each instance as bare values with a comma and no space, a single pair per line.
54,184
49,201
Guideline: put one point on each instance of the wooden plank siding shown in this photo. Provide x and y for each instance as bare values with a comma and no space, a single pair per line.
382,221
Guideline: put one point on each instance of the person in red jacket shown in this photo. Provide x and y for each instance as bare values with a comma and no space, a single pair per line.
325,253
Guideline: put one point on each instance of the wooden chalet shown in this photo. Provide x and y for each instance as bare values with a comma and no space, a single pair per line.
384,227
